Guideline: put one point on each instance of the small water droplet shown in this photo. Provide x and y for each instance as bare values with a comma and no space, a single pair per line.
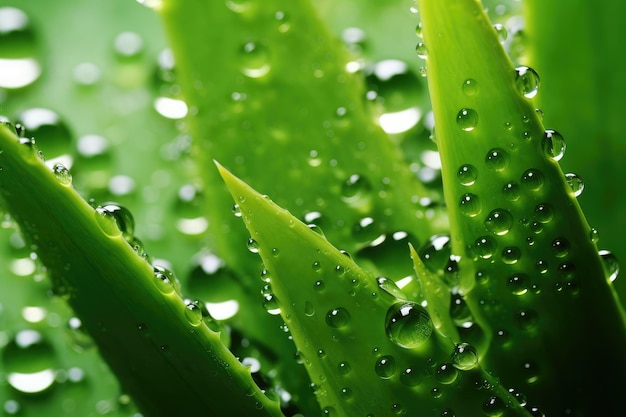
410,377
470,205
518,284
446,373
356,191
408,325
526,81
533,179
421,50
511,191
255,60
62,173
128,44
497,159
470,87
385,367
193,312
526,319
501,32
494,407
575,183
561,247
252,245
464,357
338,317
553,144
544,213
467,174
594,235
52,134
344,368
611,264
283,21
467,119
319,285
270,303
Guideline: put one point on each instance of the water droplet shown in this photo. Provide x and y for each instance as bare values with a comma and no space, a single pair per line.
526,81
575,183
526,319
128,44
255,60
319,286
470,205
338,317
561,247
366,230
86,73
464,357
344,368
193,312
115,220
553,144
49,130
511,254
408,325
466,175
29,361
62,173
164,280
467,119
497,159
501,32
283,21
446,373
389,287
544,213
511,191
18,64
315,228
518,284
611,264
421,50
309,309
485,247
494,407
410,377
270,303
470,87
436,253
385,367
533,179
252,245
499,222
594,235
11,407
356,191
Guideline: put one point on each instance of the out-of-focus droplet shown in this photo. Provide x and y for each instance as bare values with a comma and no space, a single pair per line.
30,362
50,131
255,60
19,64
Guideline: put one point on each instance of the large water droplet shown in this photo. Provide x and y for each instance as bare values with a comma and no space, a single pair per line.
499,221
553,144
115,220
408,325
526,81
19,66
338,317
255,61
467,119
29,361
464,357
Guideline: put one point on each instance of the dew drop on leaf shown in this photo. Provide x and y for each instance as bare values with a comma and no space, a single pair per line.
470,87
466,175
385,367
526,81
575,183
408,325
561,247
470,205
62,173
464,357
485,247
594,235
421,50
252,245
553,144
494,407
497,159
467,119
115,220
389,287
410,377
511,191
544,213
193,312
611,264
510,255
499,221
501,32
255,61
533,179
518,284
338,317
446,373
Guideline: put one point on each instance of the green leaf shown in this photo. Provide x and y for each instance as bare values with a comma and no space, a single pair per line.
530,270
367,349
160,347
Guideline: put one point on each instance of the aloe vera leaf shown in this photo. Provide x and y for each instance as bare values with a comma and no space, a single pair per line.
344,325
541,289
281,105
164,354
582,93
